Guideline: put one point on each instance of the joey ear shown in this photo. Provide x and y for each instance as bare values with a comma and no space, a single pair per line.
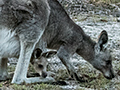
103,38
49,54
37,53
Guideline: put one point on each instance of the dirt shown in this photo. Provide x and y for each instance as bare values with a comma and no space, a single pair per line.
92,25
93,29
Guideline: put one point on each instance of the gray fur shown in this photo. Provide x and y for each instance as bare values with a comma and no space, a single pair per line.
29,24
39,61
68,38
22,23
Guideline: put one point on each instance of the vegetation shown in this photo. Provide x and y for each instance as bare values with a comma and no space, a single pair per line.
94,79
106,1
36,87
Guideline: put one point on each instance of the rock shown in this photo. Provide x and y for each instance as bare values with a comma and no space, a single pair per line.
90,7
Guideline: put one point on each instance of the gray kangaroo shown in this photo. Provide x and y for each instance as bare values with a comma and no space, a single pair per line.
39,62
22,23
29,24
68,38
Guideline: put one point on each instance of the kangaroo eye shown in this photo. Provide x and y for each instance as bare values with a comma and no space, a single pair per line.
40,66
108,62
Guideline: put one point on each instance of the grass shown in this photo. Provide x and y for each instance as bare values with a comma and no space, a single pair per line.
62,74
29,87
99,82
5,85
35,87
95,80
11,68
106,1
93,18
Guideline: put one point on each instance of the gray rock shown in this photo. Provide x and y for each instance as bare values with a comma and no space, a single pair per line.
90,7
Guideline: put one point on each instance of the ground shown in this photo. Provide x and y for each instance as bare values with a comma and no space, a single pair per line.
92,24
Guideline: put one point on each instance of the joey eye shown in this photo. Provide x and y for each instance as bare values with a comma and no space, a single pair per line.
40,66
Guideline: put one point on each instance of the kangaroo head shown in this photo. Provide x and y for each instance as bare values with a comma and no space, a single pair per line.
40,63
103,60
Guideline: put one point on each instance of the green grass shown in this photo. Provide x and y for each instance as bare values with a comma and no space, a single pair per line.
95,79
62,74
35,87
11,68
7,83
99,82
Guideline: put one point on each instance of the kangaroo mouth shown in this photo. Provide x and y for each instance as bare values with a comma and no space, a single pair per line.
109,77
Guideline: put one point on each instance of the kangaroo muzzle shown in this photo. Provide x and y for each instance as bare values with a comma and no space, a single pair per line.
109,74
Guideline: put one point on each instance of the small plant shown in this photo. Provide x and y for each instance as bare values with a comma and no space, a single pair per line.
35,87
11,68
1,84
62,74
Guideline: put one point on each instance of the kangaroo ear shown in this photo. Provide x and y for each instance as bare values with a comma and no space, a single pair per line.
1,2
103,38
37,53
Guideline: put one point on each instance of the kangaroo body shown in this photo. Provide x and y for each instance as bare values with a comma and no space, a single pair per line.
29,24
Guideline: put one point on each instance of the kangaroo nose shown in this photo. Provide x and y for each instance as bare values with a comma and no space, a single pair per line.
113,76
44,74
110,77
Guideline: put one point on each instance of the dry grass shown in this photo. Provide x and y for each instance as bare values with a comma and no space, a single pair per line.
106,1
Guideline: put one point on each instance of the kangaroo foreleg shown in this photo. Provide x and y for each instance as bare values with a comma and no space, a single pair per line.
64,55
